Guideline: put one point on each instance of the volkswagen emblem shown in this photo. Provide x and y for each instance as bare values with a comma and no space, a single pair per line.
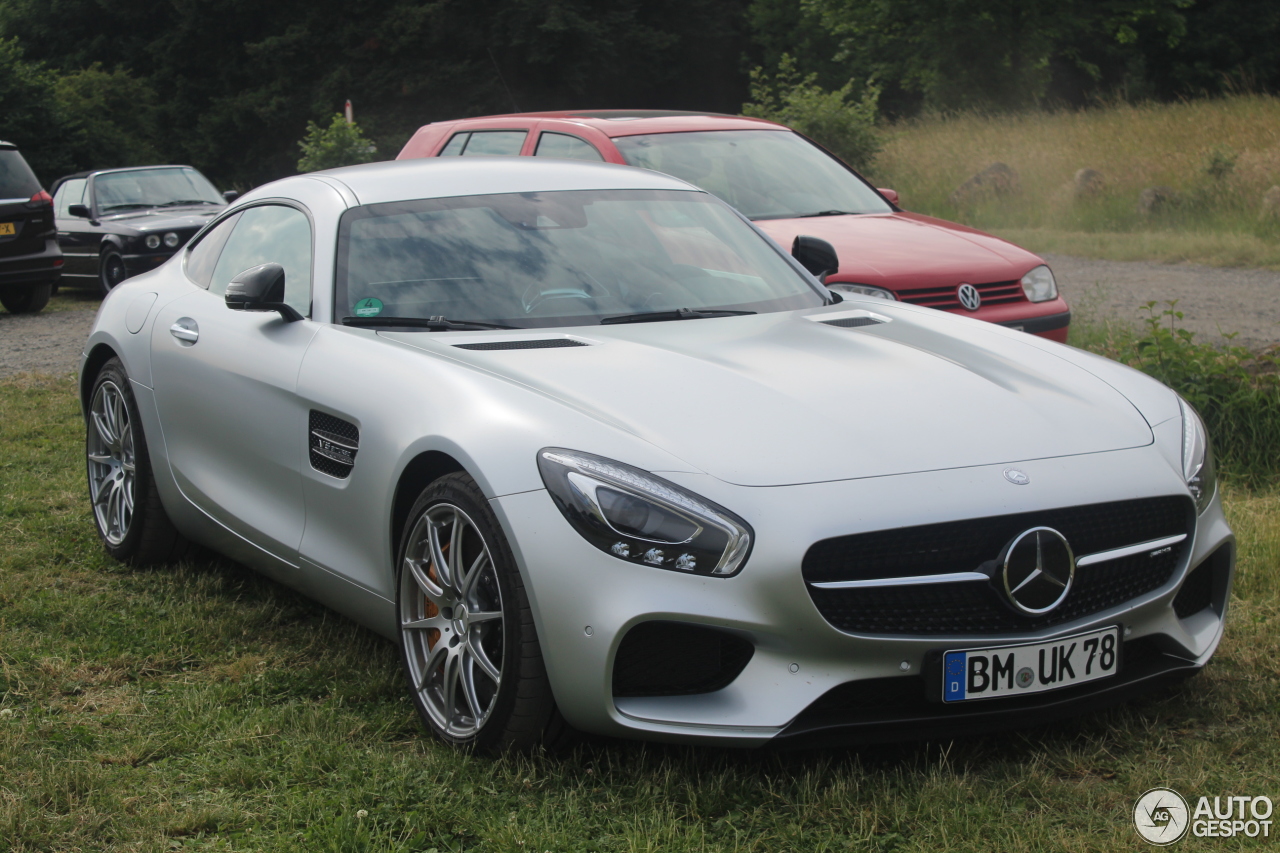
1036,570
969,296
1017,477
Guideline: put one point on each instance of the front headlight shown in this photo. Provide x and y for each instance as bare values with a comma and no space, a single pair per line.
862,290
1197,457
637,517
1039,284
171,240
152,241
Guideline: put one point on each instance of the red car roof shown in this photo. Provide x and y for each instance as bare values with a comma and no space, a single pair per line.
635,122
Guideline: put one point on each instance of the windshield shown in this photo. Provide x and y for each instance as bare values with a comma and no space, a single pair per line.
766,174
153,188
557,259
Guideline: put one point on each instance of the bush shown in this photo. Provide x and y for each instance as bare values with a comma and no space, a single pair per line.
844,127
339,144
1236,390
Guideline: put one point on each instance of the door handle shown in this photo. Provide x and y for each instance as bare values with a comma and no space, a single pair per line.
185,330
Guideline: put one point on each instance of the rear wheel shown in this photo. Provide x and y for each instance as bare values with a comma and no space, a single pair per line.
25,298
111,271
131,521
467,638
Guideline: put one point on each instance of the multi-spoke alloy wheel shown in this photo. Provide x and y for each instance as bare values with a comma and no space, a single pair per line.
451,620
113,469
467,637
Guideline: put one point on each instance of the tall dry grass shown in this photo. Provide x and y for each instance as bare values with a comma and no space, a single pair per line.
1219,155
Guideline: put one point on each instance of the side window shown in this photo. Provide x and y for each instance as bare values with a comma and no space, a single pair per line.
455,146
566,147
494,143
203,256
269,234
71,192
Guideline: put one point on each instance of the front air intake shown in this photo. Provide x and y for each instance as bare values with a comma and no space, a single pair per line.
677,659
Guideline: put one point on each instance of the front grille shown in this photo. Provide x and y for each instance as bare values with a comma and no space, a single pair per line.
974,607
677,659
994,293
544,343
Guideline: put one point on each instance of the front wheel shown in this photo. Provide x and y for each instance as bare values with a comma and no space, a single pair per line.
467,638
25,298
111,271
131,521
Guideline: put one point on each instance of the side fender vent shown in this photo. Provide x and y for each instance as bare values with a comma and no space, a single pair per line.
544,343
853,322
334,443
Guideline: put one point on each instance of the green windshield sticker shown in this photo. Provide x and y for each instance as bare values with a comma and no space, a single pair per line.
368,307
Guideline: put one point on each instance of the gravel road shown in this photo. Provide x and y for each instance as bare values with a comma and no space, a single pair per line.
1213,300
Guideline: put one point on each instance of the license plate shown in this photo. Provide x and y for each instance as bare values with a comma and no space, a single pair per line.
6,229
1031,668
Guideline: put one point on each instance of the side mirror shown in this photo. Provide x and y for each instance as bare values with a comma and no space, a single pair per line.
891,196
231,195
816,255
79,210
260,288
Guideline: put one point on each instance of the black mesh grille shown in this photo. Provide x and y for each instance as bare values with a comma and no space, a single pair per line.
852,322
549,343
946,298
677,659
975,607
320,427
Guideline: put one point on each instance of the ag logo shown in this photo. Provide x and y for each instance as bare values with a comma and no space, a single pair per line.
1161,816
969,296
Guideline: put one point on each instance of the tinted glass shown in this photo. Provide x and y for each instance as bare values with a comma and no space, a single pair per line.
117,191
560,258
69,193
490,143
16,178
566,147
766,174
455,146
269,234
203,256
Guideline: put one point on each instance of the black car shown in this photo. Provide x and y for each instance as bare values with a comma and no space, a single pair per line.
116,223
30,261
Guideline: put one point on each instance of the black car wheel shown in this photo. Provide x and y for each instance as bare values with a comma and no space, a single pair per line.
126,505
111,271
25,298
467,638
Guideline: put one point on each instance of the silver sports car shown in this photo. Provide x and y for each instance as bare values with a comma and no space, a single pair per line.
598,455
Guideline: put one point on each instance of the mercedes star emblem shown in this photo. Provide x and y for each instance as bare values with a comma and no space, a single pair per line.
969,296
1036,570
1017,477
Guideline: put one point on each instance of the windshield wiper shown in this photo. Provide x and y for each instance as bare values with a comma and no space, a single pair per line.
678,314
431,324
184,201
129,206
826,213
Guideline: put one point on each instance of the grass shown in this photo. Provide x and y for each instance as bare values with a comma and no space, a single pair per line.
205,708
1220,155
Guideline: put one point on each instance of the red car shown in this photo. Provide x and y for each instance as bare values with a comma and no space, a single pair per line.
788,186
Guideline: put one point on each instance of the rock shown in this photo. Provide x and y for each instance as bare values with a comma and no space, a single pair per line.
1271,204
997,179
1087,182
1155,199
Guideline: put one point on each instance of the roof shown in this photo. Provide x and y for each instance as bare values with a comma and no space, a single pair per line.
635,122
401,180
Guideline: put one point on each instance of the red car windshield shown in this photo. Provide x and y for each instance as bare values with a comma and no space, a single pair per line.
766,174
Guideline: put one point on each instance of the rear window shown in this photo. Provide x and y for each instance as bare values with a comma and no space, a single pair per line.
16,178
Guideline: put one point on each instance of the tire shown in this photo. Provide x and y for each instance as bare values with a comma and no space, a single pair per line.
25,298
111,270
127,512
450,654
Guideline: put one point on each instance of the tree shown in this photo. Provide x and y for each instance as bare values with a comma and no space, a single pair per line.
339,144
32,117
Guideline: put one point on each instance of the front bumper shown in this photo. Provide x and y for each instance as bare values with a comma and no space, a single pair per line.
136,264
797,681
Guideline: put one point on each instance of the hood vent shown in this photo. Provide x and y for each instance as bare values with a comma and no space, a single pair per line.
543,343
852,322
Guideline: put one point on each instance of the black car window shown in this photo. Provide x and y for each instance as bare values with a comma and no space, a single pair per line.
455,146
203,256
69,193
16,178
566,147
269,234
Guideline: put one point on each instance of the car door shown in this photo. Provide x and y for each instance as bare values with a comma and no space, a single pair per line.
76,235
225,381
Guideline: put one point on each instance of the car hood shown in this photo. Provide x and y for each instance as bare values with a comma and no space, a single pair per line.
165,219
908,250
781,399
